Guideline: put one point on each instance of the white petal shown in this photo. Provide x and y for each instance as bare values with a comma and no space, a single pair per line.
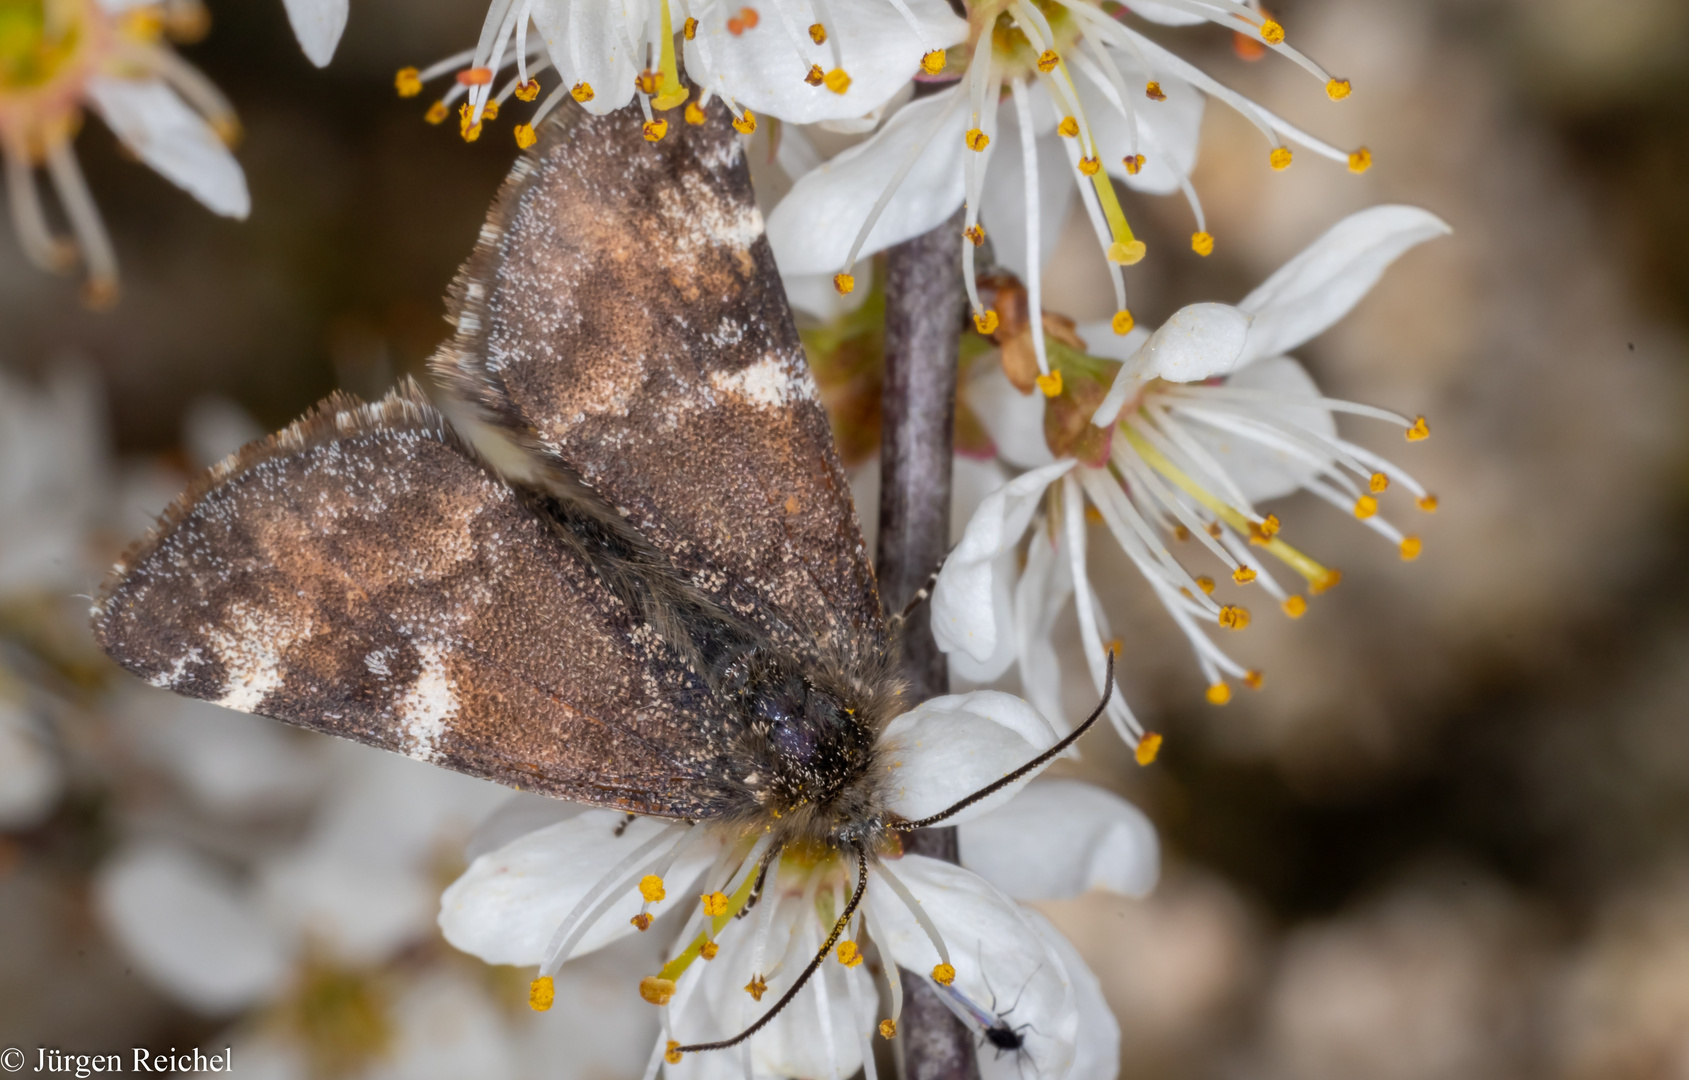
522,813
1041,594
1002,204
814,225
360,912
1162,13
814,294
1320,285
165,133
318,25
965,602
1168,131
763,69
190,930
30,775
1015,421
1265,472
1060,838
971,481
230,763
1198,342
1097,1050
601,35
506,906
447,1027
948,747
1003,967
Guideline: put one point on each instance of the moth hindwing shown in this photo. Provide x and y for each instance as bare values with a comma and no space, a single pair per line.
660,602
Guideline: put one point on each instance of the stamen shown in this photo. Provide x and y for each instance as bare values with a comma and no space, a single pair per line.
656,989
1202,243
1148,747
580,919
1253,679
976,139
672,1055
582,92
1411,547
1089,166
1218,694
1068,128
436,113
100,290
1280,158
745,124
527,91
932,63
694,114
1154,92
888,1029
986,322
1365,507
1051,383
1360,161
1338,89
1272,33
407,82
1134,163
756,987
689,28
475,76
1428,503
541,993
975,234
838,81
1233,617
1123,322
844,283
1243,575
1295,607
943,974
818,33
656,129
1420,430
921,917
816,76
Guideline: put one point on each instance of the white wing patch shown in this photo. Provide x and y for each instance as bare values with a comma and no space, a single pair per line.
251,649
767,384
428,707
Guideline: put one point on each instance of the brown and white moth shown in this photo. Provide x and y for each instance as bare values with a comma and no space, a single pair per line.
643,587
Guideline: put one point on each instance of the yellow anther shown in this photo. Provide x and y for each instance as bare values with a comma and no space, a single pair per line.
1134,163
714,903
1280,158
1295,606
1148,747
641,922
582,92
1243,575
525,136
1127,253
844,283
746,124
541,993
1428,503
1181,533
888,1028
933,62
1411,547
672,1055
1069,127
1360,161
1202,243
1338,89
1272,33
1115,645
1378,482
436,113
1154,92
816,76
943,974
656,989
467,126
818,33
646,81
407,82
749,16
1218,694
1050,384
1213,529
838,81
1206,584
849,955
655,130
1263,531
708,950
1047,61
1253,679
689,29
1420,431
528,91
1326,581
1365,507
985,321
756,987
1089,165
1123,322
1093,516
475,76
651,888
976,139
490,110
694,114
975,234
1233,617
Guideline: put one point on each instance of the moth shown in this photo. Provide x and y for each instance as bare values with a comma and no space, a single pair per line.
641,586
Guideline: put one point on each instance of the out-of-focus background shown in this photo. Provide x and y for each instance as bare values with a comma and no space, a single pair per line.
1449,838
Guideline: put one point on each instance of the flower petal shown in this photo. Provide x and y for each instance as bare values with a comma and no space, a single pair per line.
762,68
948,747
589,43
1198,342
30,774
968,600
1319,286
189,929
1015,421
232,764
1097,1041
813,227
1168,131
1163,14
506,906
165,133
1002,205
815,295
1041,594
360,912
1060,838
1267,472
318,25
1004,969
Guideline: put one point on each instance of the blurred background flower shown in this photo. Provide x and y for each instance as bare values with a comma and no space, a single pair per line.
1447,838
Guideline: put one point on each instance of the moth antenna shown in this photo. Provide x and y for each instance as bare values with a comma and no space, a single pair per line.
814,966
921,594
998,785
